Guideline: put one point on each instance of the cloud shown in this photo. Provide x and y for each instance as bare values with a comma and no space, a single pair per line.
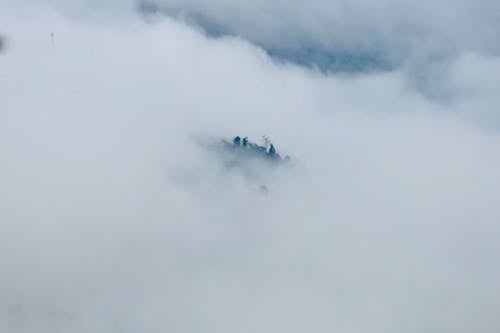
114,218
355,36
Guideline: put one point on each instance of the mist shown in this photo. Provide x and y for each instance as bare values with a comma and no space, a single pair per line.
115,217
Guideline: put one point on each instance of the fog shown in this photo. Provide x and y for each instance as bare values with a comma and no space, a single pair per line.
116,217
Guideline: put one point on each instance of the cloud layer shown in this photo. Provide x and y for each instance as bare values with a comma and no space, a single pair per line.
114,218
349,36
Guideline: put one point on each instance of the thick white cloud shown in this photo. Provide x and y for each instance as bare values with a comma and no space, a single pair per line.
114,218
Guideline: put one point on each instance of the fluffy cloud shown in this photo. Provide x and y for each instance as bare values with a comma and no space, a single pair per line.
115,218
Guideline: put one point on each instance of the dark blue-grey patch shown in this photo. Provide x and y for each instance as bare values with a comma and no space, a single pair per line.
334,60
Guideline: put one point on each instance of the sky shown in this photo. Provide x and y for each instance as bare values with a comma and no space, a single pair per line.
117,216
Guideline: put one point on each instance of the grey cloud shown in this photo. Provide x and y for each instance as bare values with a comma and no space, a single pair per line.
356,36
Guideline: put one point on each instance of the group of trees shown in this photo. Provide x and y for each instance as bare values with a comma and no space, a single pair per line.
267,151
